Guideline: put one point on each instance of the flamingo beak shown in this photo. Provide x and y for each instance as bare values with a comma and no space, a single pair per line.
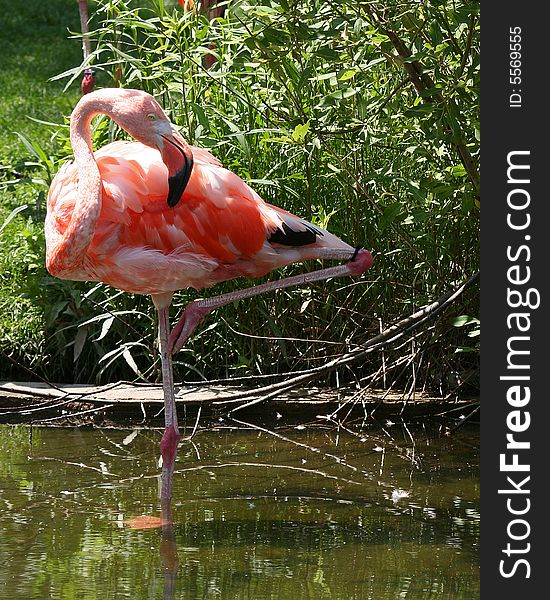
178,158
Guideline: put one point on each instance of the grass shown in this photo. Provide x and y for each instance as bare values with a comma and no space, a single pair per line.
35,47
303,105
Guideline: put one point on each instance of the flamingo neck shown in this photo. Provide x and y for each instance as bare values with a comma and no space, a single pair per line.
70,253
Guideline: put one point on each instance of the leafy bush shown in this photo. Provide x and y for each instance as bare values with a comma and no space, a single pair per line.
360,117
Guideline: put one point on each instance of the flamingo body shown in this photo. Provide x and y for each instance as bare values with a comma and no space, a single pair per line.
220,229
157,215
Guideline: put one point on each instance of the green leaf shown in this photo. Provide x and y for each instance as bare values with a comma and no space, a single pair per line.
390,214
300,132
348,74
458,171
34,149
200,114
464,320
130,360
323,76
13,213
336,97
105,328
79,341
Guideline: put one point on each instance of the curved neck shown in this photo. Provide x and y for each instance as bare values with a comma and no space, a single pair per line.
89,179
69,254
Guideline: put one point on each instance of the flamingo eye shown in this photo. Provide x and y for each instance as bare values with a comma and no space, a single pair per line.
152,117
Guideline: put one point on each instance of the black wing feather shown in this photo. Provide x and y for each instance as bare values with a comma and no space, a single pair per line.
289,237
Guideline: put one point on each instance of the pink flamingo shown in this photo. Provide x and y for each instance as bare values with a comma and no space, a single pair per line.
158,215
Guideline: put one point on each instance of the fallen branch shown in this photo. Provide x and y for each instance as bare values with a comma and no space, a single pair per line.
388,336
398,334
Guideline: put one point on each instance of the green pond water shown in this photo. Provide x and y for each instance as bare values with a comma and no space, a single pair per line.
381,511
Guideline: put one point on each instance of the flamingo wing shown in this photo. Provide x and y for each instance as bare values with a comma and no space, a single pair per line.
219,230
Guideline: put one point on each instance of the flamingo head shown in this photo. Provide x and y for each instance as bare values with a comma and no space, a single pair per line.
143,118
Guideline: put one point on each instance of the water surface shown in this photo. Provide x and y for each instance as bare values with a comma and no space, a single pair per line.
376,512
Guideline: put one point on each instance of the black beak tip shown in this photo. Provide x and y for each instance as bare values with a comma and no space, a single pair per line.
174,193
177,184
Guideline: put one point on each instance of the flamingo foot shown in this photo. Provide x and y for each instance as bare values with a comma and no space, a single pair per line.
360,262
191,317
169,446
195,312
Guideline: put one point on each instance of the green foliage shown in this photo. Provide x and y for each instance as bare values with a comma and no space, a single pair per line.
360,117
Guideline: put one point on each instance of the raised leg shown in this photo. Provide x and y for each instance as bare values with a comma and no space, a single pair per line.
197,310
169,442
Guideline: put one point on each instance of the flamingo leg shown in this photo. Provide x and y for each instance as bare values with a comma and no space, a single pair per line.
170,438
168,550
198,309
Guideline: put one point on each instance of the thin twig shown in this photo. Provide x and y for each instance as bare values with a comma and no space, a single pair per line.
391,334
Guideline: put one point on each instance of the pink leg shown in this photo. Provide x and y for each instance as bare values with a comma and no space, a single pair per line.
169,442
197,310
